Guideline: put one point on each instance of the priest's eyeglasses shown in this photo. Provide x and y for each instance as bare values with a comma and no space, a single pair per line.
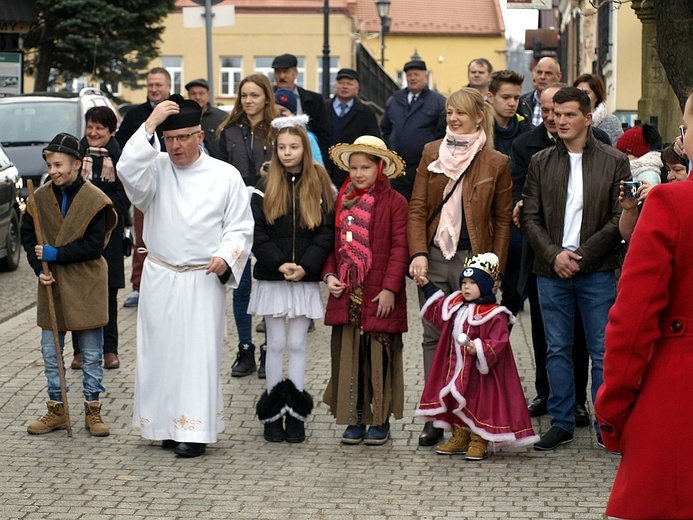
182,139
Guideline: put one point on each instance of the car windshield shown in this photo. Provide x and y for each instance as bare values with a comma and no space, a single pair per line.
29,122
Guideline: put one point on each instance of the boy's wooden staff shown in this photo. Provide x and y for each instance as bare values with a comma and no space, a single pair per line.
31,202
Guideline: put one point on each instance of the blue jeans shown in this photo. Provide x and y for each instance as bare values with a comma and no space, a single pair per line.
241,297
593,294
91,346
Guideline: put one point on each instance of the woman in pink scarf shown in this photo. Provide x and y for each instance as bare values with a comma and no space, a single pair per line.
461,206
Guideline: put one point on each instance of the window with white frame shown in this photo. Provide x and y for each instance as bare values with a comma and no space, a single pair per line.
231,68
263,65
174,66
334,68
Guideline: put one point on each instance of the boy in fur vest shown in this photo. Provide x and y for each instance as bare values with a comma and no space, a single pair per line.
76,219
473,387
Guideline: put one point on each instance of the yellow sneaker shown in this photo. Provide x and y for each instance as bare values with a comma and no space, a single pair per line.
478,448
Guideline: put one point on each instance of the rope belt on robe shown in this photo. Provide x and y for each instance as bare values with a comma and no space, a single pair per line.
177,268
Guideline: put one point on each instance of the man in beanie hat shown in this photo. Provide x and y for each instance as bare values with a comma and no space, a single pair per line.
75,231
198,229
473,387
348,118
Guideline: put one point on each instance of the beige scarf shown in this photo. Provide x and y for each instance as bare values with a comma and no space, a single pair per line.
455,154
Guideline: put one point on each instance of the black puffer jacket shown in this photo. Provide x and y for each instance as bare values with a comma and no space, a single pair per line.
286,241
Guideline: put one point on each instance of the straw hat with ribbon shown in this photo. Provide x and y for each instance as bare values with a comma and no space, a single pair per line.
394,165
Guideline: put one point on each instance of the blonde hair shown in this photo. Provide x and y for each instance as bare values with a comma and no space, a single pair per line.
469,101
314,187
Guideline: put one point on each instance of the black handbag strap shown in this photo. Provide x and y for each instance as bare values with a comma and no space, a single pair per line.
447,197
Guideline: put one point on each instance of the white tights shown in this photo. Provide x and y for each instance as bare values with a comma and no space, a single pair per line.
277,340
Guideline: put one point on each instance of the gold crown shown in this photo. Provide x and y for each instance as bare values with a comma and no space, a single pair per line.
487,262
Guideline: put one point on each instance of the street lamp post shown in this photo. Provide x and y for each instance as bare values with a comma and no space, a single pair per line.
326,51
383,7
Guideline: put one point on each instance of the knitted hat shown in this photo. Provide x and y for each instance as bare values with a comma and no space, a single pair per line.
65,143
483,269
190,114
287,99
633,142
368,144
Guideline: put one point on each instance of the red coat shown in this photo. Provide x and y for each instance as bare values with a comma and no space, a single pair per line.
644,406
482,393
389,266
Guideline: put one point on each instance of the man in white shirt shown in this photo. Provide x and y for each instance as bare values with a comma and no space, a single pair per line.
570,218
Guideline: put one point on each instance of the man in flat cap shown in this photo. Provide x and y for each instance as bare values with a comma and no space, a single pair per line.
212,117
198,230
349,118
413,117
311,103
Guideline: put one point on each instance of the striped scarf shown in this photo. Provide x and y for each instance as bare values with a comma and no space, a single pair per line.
355,256
107,169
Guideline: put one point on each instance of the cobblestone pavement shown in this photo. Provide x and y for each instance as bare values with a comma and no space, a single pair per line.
17,290
124,476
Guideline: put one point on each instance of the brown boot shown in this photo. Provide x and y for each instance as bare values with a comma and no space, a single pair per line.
457,444
478,448
53,420
92,419
76,362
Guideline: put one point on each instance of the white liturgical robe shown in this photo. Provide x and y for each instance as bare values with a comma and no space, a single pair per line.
190,215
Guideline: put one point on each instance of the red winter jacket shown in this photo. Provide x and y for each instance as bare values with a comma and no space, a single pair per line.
390,262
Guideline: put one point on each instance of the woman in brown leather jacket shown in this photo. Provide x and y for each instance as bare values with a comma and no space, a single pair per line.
461,206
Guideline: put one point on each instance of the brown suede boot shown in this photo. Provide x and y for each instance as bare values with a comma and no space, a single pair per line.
92,419
457,444
478,448
53,420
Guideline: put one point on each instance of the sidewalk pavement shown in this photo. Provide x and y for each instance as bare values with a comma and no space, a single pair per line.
242,476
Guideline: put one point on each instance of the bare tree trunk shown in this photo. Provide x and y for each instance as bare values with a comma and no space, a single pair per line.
44,59
674,21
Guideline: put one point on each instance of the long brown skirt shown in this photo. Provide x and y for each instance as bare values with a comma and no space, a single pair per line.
380,370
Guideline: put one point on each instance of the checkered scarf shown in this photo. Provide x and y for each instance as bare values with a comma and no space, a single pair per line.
107,168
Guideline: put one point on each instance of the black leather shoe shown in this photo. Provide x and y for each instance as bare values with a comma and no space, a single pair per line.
430,435
274,431
582,416
537,408
553,438
190,449
169,444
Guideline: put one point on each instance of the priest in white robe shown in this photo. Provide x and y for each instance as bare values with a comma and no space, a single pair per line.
198,228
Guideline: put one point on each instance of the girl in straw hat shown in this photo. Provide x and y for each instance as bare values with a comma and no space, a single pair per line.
365,275
294,229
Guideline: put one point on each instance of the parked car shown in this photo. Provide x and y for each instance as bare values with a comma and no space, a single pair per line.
30,121
11,211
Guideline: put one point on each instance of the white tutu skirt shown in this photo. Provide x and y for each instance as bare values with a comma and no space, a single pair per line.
290,299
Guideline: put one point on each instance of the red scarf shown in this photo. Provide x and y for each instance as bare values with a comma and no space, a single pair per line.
354,257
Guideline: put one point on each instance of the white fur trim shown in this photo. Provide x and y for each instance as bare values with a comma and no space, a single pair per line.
290,121
448,308
281,414
500,309
430,301
481,362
